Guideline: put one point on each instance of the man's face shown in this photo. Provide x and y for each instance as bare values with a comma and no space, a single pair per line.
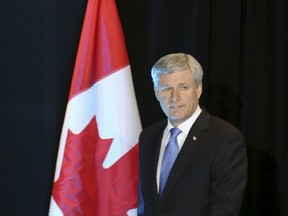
178,95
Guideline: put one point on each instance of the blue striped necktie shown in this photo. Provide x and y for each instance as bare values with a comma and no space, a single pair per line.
169,157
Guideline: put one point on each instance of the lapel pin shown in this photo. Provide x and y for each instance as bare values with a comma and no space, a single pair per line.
194,138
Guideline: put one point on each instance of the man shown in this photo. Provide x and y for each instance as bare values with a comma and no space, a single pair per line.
208,176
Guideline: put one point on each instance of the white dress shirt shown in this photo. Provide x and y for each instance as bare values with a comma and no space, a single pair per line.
185,128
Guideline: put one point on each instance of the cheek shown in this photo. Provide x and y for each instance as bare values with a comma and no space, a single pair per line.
163,102
191,100
163,97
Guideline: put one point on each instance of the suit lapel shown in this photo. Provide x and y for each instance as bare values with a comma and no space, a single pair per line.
155,164
192,142
152,159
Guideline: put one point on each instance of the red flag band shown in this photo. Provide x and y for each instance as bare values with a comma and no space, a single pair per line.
97,164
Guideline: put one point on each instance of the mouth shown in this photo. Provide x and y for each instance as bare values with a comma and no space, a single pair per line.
175,107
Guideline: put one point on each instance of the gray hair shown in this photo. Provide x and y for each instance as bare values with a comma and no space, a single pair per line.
174,63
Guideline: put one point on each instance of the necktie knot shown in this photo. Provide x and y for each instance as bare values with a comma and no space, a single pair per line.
175,132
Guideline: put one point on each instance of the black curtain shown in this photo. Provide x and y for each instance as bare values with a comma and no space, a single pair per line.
241,44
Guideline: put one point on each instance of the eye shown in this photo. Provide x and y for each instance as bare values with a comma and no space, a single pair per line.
165,89
183,87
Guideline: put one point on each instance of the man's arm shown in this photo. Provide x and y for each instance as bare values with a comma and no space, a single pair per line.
229,176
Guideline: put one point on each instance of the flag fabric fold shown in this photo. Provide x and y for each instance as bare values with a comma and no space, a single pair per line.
97,164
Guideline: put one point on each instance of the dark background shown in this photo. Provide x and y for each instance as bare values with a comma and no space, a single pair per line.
241,44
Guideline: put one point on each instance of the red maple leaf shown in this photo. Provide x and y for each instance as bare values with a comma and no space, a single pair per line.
85,187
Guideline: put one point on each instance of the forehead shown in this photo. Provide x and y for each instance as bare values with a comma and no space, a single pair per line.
183,76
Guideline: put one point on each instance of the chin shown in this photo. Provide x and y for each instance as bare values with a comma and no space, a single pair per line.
176,119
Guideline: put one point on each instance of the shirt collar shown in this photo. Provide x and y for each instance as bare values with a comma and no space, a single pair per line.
186,125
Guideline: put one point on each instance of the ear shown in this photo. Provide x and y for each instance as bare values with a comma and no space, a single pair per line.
199,90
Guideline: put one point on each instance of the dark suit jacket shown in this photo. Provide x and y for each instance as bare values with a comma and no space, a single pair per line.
208,177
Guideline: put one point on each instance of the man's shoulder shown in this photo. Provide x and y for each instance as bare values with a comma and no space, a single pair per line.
222,123
217,123
159,124
155,128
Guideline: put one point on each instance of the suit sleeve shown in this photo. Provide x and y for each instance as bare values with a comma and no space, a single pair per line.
140,208
229,176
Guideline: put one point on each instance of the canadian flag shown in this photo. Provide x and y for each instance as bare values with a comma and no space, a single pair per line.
97,165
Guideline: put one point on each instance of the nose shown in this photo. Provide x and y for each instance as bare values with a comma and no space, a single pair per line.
175,95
